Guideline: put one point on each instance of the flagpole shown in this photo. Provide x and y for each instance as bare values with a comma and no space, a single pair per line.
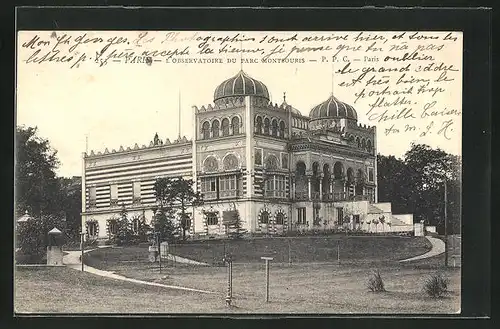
333,72
179,114
241,55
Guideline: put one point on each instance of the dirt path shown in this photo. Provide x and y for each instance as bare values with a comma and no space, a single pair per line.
72,260
437,249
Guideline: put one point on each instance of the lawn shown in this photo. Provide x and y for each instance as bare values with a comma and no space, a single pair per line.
296,289
64,290
320,285
352,249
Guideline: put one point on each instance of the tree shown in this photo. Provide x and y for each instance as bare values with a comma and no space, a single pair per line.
434,168
382,221
71,190
124,234
163,224
415,185
32,235
177,194
37,191
141,228
37,188
235,228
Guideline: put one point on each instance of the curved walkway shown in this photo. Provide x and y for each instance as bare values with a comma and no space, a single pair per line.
438,248
72,260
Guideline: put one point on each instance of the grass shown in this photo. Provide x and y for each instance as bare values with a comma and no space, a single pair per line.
296,289
64,290
319,286
302,250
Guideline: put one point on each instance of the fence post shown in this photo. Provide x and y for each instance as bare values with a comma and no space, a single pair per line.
289,253
267,259
229,294
338,252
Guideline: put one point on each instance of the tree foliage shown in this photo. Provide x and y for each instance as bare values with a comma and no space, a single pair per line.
163,224
235,229
49,200
37,188
32,235
124,233
175,195
415,185
71,204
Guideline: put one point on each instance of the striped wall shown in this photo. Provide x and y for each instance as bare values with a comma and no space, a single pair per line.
124,174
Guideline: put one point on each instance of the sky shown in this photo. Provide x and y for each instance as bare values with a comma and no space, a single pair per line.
122,104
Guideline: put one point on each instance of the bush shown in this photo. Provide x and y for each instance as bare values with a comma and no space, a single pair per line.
375,282
436,286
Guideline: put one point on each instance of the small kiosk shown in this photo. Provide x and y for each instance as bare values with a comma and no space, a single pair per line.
54,249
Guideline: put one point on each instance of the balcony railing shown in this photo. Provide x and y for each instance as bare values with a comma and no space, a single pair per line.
275,194
229,193
361,198
209,195
336,196
332,197
301,196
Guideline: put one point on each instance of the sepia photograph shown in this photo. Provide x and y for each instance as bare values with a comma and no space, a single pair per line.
238,172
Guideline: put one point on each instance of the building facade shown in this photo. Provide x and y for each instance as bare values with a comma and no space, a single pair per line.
280,169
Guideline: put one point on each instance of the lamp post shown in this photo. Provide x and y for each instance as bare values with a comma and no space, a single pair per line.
81,247
229,296
445,223
159,248
267,259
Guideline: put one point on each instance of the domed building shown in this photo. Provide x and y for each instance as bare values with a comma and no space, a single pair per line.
281,170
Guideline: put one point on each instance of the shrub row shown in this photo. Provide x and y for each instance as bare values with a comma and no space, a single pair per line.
435,286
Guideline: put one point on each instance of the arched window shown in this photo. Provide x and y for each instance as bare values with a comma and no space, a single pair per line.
363,144
326,178
316,176
271,162
264,217
266,126
205,130
338,170
258,125
225,127
210,164
301,187
235,123
230,162
350,175
136,225
92,229
282,129
112,227
274,128
280,218
358,142
215,128
300,168
369,146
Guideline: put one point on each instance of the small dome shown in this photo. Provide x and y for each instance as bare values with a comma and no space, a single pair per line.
293,109
333,108
241,85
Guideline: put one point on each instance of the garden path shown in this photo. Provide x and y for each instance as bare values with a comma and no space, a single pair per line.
437,249
72,260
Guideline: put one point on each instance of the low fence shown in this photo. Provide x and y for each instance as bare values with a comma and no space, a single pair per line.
339,248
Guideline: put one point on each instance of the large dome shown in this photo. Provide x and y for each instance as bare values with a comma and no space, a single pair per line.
333,108
241,85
